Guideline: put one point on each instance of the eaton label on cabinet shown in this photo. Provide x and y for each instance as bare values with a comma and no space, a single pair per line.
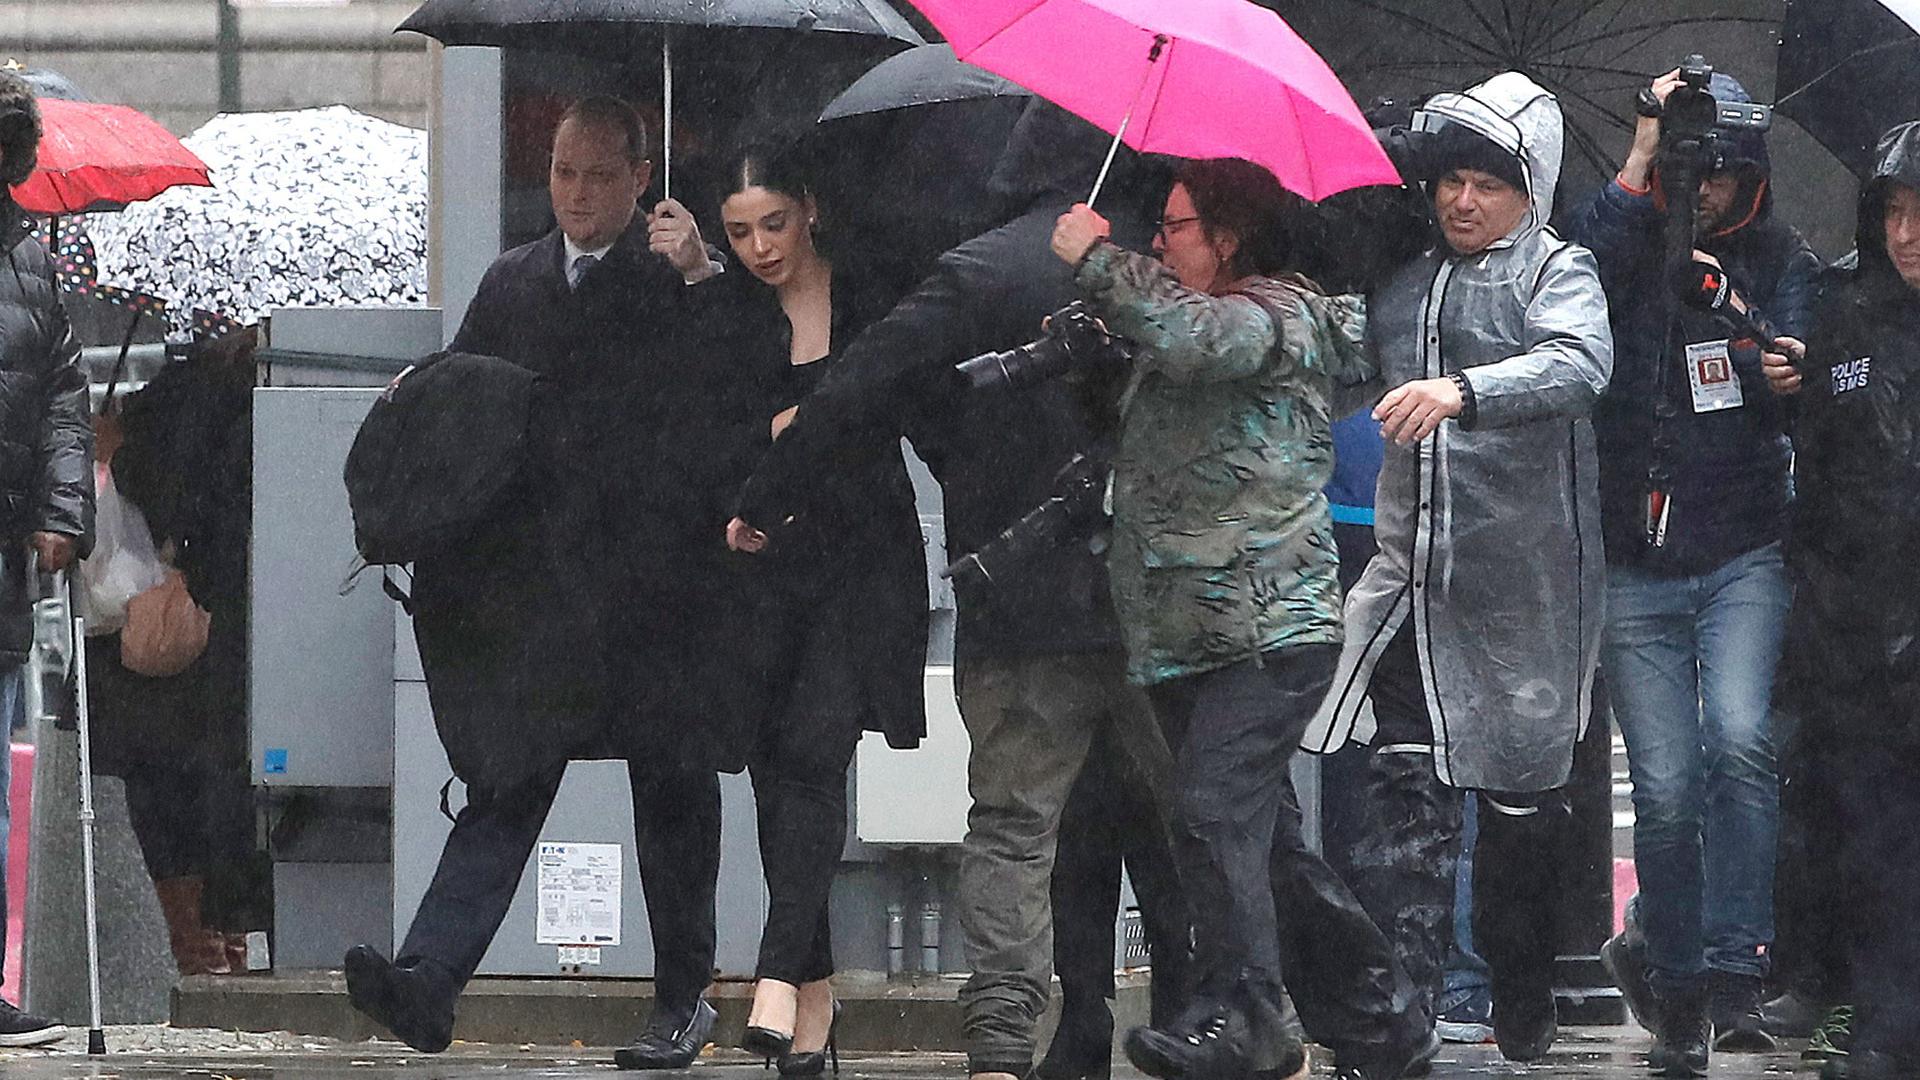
273,762
579,894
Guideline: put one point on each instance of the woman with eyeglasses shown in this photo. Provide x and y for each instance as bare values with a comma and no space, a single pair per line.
1223,572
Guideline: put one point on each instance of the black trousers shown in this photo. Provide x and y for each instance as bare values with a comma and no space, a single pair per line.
1403,862
800,803
1262,901
1112,820
1878,787
1811,950
191,819
676,825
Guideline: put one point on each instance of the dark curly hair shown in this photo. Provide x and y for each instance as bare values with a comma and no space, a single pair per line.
19,129
1236,196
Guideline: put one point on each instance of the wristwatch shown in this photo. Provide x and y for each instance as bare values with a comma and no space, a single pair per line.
1468,410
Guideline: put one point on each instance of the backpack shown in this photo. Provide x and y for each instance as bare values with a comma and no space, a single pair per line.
437,455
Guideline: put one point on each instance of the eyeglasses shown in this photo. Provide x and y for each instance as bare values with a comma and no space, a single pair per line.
1170,224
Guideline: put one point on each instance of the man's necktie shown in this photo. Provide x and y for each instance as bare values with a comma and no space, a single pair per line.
579,269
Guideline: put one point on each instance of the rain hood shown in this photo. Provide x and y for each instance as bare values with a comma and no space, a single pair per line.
1520,117
1896,161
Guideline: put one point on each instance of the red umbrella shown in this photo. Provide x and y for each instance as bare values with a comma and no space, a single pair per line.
103,157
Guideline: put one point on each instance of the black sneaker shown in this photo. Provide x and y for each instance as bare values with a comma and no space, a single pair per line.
1735,1011
1412,1060
1629,972
1680,1036
25,1029
1792,1015
1213,1044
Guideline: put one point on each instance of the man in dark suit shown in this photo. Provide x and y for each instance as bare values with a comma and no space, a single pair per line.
527,665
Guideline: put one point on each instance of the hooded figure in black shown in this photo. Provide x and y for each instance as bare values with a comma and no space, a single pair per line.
1694,490
1851,670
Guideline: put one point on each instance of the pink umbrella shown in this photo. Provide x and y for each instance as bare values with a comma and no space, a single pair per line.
1190,78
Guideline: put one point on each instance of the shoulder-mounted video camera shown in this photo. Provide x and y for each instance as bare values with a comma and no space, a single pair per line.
1693,122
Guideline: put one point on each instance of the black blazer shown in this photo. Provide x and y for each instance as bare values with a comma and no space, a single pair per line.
851,564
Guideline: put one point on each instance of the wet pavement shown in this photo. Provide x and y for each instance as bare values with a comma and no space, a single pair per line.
150,1053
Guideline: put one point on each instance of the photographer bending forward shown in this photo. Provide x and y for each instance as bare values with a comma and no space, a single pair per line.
1223,574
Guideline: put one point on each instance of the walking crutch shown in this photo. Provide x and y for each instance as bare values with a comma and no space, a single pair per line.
77,626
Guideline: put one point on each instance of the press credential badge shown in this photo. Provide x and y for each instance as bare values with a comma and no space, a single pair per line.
1710,370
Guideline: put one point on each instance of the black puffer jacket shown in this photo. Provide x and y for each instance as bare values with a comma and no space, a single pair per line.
1854,634
46,436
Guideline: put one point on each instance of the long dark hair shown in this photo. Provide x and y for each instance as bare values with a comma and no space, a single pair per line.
784,170
1236,196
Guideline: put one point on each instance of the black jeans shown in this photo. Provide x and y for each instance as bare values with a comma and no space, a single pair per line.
800,802
676,825
1262,901
1404,859
1112,820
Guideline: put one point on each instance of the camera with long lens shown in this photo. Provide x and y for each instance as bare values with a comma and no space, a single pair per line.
1076,508
1070,338
1693,122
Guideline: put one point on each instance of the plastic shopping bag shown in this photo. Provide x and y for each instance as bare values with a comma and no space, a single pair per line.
124,563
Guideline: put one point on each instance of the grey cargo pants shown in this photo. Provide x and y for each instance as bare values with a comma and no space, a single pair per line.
1031,721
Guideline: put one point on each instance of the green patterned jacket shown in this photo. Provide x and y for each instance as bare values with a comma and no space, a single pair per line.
1223,547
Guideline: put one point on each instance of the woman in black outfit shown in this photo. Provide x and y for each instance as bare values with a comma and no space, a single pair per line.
842,602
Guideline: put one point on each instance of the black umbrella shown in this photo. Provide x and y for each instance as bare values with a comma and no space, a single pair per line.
1849,70
905,157
925,75
1594,55
633,30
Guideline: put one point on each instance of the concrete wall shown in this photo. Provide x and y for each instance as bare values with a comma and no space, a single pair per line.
162,56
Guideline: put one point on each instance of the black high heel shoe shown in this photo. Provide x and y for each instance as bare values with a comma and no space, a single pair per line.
1082,1047
814,1062
766,1043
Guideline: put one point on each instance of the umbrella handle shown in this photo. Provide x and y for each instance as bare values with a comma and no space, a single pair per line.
666,113
1153,57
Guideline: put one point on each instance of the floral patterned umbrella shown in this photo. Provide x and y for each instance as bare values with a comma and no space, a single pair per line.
315,208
